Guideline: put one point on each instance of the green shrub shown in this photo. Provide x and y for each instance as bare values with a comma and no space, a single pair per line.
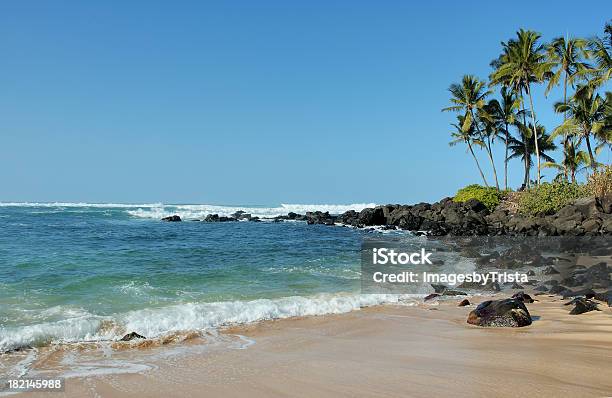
490,197
600,182
547,198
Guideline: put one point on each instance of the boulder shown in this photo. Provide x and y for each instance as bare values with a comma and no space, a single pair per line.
132,336
476,205
431,296
375,216
524,297
292,216
566,225
350,217
405,219
558,289
606,297
550,270
500,313
604,203
452,216
591,226
582,305
588,207
173,218
212,218
318,217
217,218
463,303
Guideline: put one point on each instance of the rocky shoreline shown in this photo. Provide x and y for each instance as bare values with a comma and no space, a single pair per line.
580,229
588,216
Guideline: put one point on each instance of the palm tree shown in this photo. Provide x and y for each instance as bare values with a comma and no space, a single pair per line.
573,162
491,130
468,98
586,119
524,147
600,49
566,56
464,133
523,62
505,114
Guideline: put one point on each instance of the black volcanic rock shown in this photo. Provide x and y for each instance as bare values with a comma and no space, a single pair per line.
375,216
173,218
500,313
217,218
582,305
524,297
463,303
132,336
350,217
318,217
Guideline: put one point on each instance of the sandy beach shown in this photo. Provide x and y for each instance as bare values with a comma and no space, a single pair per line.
386,351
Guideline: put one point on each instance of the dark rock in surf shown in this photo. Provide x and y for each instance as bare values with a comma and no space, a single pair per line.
606,297
524,297
500,313
431,296
583,305
375,216
463,303
550,270
173,218
318,217
132,336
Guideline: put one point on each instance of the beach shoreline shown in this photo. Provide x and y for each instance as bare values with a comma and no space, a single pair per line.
390,350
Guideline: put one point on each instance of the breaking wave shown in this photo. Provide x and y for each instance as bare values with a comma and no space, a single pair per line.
158,322
192,211
201,211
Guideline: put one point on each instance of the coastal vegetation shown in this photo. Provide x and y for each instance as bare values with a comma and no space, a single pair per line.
501,109
488,196
548,198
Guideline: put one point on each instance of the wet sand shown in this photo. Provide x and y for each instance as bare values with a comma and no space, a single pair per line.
387,351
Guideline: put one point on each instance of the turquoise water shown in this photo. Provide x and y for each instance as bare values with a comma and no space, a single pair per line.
71,272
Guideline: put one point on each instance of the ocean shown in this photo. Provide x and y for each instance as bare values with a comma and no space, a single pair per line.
76,272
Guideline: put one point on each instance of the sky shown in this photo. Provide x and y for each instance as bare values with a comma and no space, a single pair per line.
243,102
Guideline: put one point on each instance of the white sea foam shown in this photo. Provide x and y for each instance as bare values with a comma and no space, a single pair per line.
201,211
157,322
192,211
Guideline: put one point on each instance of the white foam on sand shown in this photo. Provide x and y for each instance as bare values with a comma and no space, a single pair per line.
158,322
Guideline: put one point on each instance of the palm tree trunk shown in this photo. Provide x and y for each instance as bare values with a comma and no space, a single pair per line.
527,181
490,153
488,148
477,164
535,131
506,161
565,143
591,157
527,168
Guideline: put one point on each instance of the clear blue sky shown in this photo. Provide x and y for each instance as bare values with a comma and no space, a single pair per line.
249,102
